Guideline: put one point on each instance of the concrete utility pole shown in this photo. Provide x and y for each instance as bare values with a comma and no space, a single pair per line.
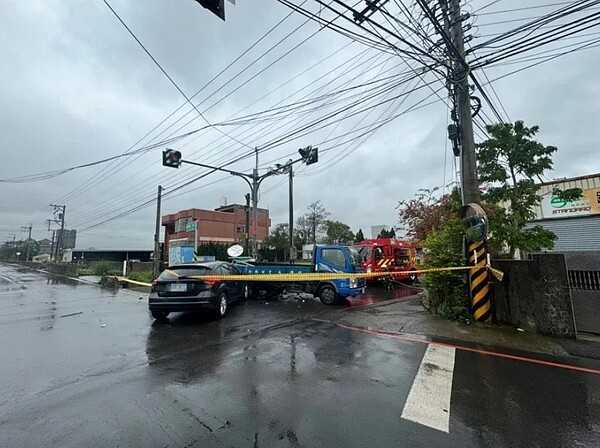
291,228
255,184
28,229
60,239
468,161
247,225
156,261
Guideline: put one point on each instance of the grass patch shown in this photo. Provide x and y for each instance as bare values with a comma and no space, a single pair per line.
143,276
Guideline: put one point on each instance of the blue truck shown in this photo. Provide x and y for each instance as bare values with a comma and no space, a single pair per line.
325,259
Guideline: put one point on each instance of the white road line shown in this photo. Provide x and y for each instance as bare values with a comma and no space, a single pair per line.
428,401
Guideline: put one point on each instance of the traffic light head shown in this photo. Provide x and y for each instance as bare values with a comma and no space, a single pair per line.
309,155
171,158
215,6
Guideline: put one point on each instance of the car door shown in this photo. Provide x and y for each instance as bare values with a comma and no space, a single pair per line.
240,285
232,286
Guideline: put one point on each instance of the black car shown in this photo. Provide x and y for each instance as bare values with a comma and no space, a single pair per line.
175,290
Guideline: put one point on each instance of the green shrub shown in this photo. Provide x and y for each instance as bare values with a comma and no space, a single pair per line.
105,268
143,276
447,291
456,312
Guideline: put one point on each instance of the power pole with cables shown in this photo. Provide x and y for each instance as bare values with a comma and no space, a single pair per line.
468,160
60,219
291,227
28,230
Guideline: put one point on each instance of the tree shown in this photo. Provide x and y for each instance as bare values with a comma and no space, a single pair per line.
302,232
338,233
359,236
509,162
427,212
434,222
315,218
275,247
8,250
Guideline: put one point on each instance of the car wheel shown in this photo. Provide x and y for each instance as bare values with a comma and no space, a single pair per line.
221,306
159,315
327,295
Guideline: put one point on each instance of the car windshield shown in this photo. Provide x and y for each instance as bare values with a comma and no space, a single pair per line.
355,257
183,271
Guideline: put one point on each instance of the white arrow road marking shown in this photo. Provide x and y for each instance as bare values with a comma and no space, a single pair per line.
428,401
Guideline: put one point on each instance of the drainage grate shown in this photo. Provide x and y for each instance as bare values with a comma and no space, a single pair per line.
584,280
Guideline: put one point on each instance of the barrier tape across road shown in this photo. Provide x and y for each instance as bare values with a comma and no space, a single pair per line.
315,276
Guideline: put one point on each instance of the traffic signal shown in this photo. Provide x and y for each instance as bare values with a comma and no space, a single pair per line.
171,158
309,155
215,6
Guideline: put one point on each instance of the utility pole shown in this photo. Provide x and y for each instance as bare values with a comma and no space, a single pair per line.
247,226
156,261
27,229
468,161
196,224
255,184
291,227
60,238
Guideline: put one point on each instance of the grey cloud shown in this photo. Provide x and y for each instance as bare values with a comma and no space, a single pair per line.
76,87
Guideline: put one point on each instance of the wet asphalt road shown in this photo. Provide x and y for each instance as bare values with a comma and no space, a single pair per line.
84,367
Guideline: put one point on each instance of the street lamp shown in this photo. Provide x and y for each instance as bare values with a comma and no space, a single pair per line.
309,155
18,253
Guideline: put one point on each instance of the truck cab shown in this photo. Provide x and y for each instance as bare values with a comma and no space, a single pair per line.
398,257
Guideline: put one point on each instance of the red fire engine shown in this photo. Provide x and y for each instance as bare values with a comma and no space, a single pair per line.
398,257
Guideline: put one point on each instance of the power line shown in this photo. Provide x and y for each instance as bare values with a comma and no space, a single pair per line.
89,183
52,174
168,76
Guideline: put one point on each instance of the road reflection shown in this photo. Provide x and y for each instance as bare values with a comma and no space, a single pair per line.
380,293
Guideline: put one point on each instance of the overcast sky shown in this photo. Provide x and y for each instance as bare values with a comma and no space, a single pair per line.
76,87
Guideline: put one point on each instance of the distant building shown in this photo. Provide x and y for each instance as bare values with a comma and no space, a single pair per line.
577,223
88,255
66,238
45,246
376,230
226,224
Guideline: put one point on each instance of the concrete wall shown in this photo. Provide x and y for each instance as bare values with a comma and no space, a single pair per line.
139,267
534,295
69,270
583,260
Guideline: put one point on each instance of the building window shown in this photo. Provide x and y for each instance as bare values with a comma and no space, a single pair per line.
181,223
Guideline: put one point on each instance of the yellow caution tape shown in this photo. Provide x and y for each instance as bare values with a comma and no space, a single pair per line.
322,276
315,276
134,282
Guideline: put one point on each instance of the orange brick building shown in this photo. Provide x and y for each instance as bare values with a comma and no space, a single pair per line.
226,224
